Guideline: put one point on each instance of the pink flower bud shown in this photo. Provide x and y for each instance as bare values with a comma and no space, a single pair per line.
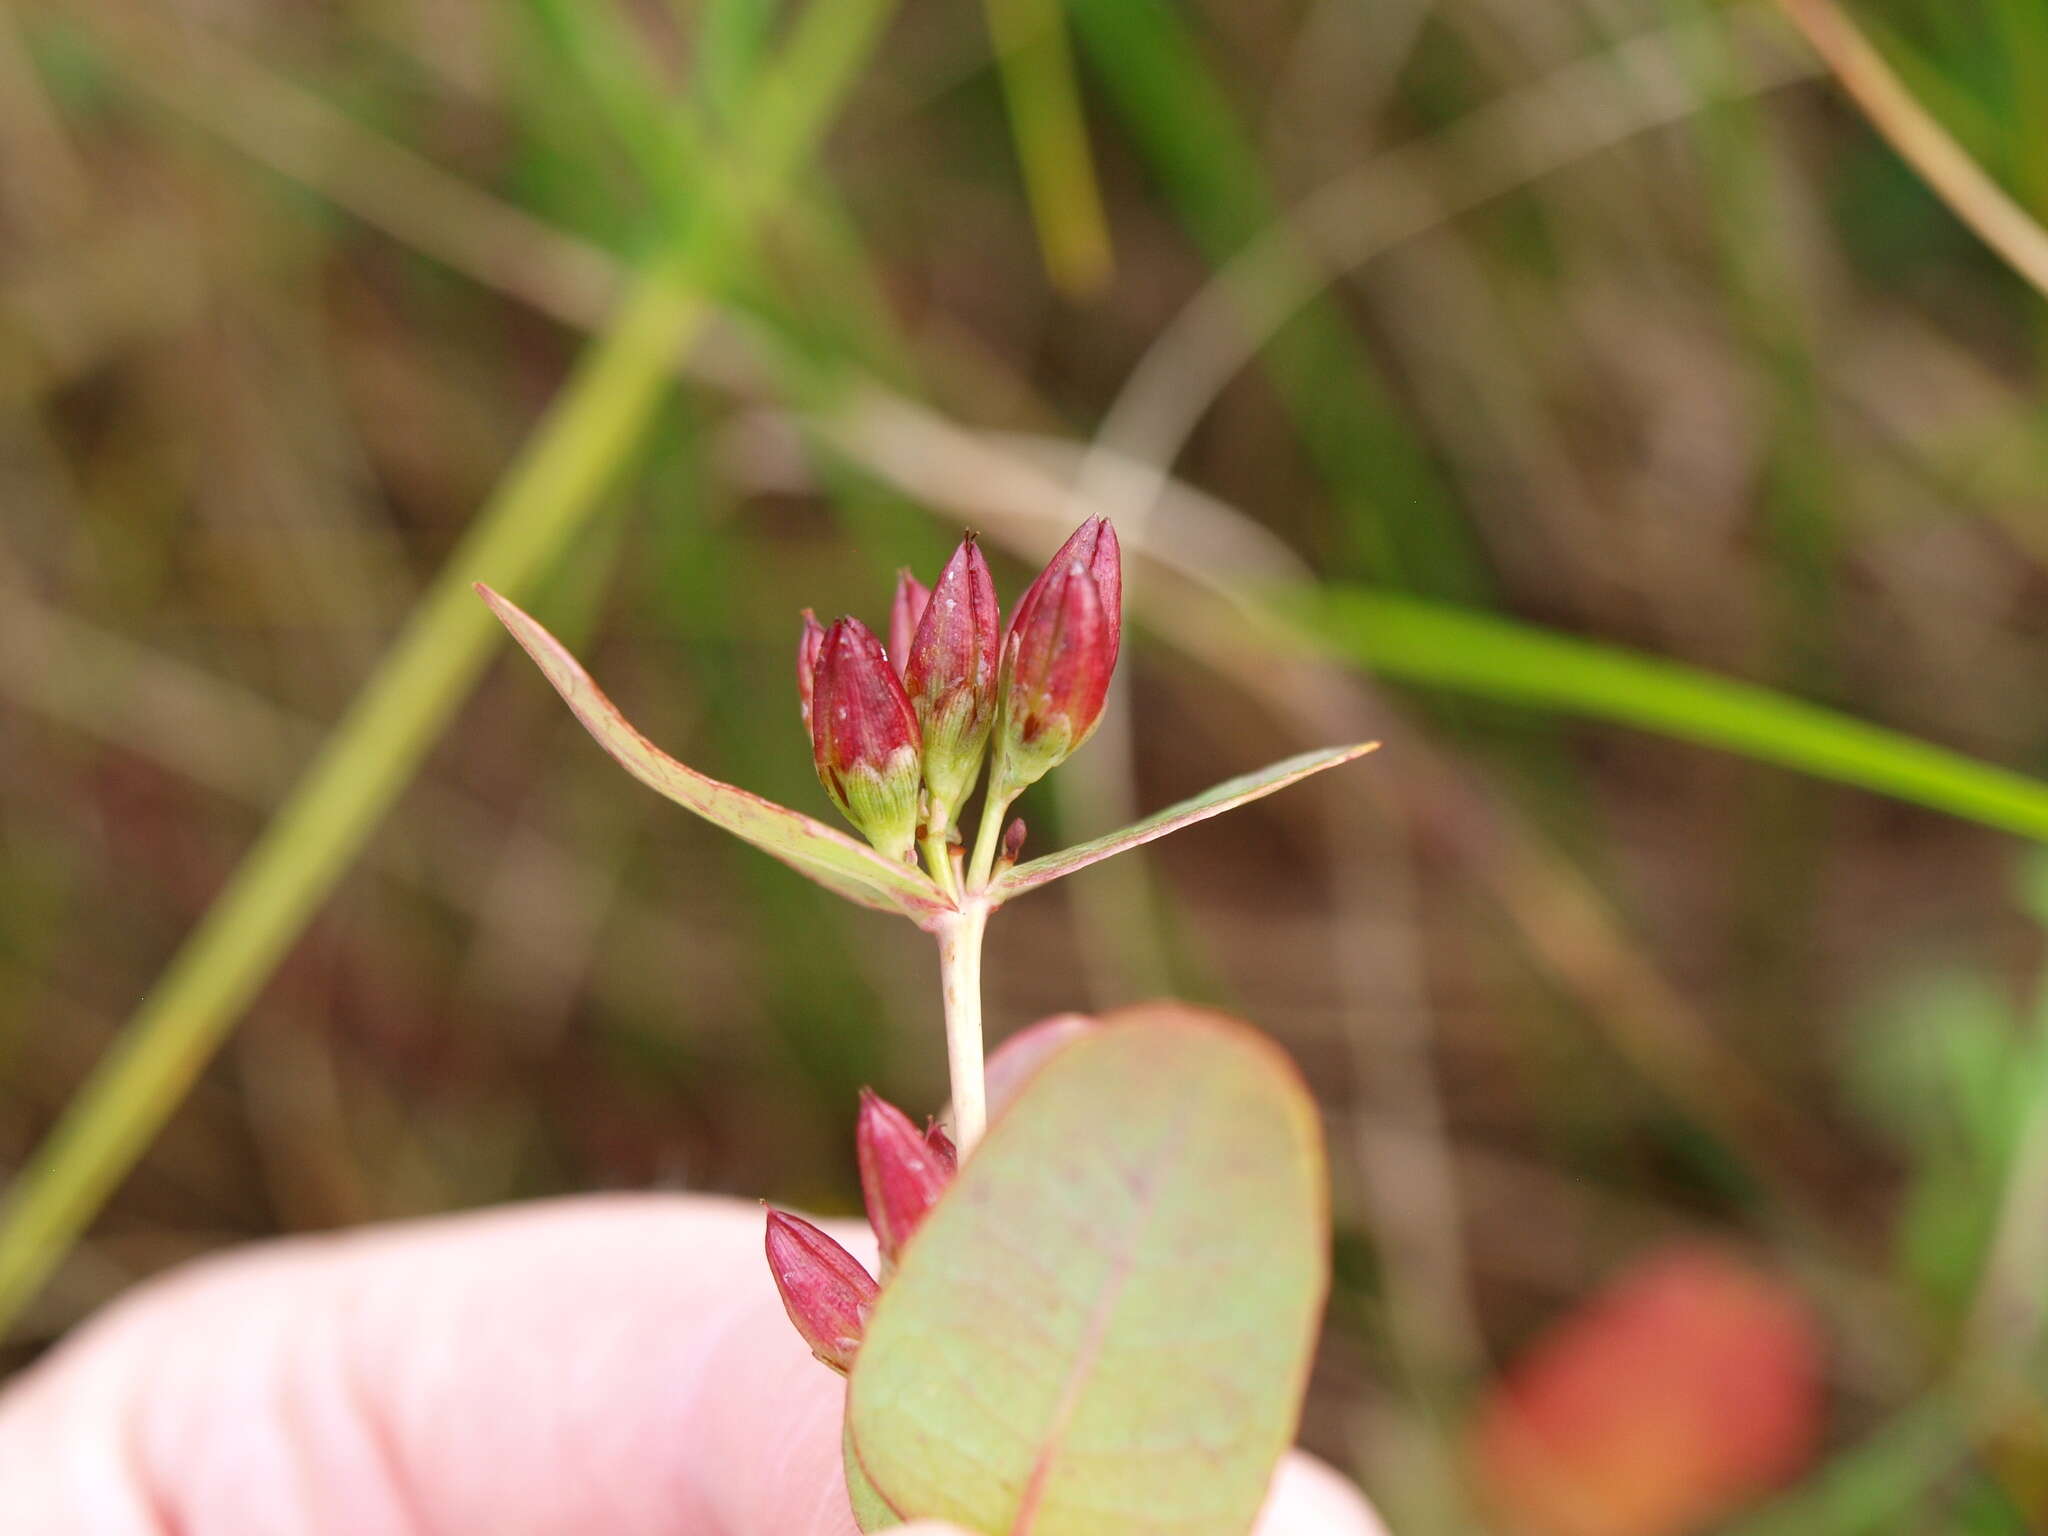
1093,545
1013,840
951,677
911,597
864,738
901,1176
808,646
824,1289
942,1148
1060,652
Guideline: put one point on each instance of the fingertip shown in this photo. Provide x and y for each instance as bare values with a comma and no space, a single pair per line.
1310,1498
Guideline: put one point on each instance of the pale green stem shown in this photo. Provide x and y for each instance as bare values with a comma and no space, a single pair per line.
988,837
938,860
960,984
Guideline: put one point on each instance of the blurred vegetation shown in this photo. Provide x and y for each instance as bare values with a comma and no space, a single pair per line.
1577,394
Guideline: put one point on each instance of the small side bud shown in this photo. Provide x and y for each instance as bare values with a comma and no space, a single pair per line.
942,1148
1057,660
864,738
905,611
1013,841
901,1176
808,646
826,1293
951,676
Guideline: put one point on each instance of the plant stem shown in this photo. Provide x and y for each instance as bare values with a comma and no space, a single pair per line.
960,985
938,861
988,838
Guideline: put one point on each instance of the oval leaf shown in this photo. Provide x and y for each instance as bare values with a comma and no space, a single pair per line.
1213,801
839,863
1105,1326
871,1512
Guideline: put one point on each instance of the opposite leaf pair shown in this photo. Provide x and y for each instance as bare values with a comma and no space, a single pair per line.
900,753
825,1289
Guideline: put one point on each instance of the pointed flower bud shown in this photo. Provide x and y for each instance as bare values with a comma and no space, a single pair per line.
864,738
1093,545
808,646
901,1177
942,1148
951,677
1061,648
1013,841
824,1289
911,597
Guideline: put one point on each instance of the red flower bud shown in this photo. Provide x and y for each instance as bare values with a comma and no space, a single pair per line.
824,1289
1061,649
864,738
942,1148
951,677
904,612
901,1176
1093,545
808,646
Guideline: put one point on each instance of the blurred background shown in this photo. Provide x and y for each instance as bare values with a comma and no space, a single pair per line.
1559,390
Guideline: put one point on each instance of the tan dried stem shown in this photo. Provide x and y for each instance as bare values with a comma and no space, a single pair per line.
1921,141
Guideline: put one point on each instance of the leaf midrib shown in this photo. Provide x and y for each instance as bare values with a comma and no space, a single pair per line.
1099,1322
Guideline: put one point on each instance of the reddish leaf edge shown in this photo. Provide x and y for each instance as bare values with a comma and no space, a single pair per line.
878,884
1188,1016
1213,801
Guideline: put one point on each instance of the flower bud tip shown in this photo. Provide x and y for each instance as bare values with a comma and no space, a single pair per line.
826,1293
901,1176
1062,647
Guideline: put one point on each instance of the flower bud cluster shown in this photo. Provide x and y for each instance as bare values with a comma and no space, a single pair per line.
825,1290
900,735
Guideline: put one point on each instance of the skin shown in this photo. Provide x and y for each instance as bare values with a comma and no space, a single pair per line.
611,1364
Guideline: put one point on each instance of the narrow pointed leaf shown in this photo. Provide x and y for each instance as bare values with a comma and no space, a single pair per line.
1213,801
837,862
1104,1327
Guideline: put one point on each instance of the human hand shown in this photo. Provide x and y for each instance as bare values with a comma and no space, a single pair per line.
611,1364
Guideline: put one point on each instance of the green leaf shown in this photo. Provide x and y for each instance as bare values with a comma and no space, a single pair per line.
871,1512
1105,1326
836,861
1215,800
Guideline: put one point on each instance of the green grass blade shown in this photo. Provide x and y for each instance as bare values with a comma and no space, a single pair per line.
549,493
367,761
1051,133
1421,642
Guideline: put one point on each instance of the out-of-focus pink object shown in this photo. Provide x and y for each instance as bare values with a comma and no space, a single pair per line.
1685,1389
